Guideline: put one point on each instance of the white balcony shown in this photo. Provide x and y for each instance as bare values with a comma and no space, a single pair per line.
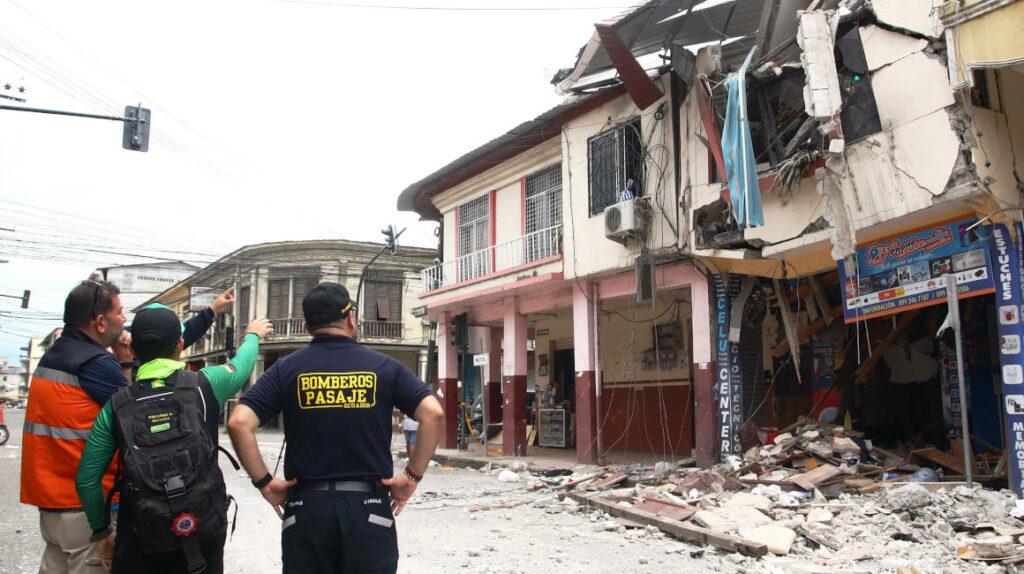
519,252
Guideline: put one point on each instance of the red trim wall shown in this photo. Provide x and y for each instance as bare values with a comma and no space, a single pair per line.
456,232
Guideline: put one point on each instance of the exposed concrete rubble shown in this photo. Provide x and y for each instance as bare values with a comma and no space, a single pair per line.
815,499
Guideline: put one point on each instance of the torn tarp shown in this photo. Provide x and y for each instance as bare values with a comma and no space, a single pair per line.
738,151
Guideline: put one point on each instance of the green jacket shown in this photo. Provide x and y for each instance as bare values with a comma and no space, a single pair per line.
226,380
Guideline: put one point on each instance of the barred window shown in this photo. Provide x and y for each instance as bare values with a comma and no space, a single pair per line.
544,198
474,225
615,158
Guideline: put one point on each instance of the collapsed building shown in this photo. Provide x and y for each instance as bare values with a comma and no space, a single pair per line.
745,213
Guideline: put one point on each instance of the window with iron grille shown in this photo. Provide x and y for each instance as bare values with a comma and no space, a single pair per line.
383,301
474,236
615,158
543,209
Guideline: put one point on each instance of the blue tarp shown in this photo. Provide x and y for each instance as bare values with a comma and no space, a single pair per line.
738,151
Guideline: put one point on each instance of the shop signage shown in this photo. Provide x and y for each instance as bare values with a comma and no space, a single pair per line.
730,383
480,359
905,272
1006,261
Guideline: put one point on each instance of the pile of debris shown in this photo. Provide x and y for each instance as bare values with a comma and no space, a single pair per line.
818,499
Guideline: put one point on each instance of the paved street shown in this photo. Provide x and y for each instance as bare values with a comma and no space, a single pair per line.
437,532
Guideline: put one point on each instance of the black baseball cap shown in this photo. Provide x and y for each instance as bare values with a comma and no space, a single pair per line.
326,303
155,332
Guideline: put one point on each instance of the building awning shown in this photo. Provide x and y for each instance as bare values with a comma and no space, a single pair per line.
983,34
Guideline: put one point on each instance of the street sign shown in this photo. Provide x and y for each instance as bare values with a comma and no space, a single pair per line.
200,297
480,359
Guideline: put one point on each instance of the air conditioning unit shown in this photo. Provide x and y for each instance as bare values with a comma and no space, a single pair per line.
623,220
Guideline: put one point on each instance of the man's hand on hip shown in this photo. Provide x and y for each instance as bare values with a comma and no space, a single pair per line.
276,493
400,490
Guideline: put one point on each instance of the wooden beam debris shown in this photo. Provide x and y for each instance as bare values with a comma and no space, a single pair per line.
680,530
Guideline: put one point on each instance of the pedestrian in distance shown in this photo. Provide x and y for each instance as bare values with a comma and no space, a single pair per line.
173,512
409,428
339,497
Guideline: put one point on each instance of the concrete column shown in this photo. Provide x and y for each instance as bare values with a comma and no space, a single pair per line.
493,385
705,422
447,382
584,307
514,382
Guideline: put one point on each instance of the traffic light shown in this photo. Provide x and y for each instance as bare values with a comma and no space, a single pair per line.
135,136
389,239
459,331
24,299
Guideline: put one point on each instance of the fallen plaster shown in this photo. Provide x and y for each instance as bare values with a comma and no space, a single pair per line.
882,47
926,150
841,231
993,158
919,16
910,88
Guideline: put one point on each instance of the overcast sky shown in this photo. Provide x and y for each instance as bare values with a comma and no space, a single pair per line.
272,120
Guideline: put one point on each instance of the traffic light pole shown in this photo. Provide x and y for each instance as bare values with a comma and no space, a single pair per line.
136,120
391,237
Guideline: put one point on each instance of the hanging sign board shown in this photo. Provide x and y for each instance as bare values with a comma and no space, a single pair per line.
1006,261
201,297
905,272
480,359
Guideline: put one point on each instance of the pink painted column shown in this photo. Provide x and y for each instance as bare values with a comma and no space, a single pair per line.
584,298
447,382
493,393
703,373
514,382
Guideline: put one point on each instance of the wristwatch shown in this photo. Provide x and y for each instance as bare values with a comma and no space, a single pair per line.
100,534
263,481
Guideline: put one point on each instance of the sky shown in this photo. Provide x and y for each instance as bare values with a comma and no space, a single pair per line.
271,121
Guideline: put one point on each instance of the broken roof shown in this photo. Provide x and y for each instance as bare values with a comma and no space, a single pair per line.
660,24
417,197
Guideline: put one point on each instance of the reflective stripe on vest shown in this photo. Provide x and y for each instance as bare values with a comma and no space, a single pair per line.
58,419
56,432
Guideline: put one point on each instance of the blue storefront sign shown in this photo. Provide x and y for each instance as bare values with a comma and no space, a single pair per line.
730,384
1006,268
905,272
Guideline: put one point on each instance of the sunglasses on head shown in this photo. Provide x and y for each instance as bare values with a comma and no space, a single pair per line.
95,298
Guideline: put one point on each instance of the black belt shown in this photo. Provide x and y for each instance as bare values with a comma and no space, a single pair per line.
334,486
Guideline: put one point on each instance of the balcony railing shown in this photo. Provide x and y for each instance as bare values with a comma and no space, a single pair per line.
502,257
387,329
289,327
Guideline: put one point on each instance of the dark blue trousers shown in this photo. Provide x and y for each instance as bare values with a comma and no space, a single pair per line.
339,533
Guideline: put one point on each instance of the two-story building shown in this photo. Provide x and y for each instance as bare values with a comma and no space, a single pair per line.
738,210
270,280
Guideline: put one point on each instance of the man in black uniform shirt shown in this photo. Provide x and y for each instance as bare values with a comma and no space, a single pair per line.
337,398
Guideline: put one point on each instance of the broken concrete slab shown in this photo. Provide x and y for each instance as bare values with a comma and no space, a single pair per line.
908,496
917,74
730,519
751,500
926,151
915,16
822,515
882,47
778,539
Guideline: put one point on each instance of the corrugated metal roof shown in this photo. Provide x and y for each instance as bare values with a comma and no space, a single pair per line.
660,24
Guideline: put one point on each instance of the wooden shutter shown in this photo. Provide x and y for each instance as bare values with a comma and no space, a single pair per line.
277,299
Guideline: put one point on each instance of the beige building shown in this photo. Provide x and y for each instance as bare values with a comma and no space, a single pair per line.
270,280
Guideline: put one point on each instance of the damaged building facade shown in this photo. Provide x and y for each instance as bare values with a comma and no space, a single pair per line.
743,213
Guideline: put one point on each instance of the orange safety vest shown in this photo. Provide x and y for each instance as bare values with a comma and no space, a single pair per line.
58,418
